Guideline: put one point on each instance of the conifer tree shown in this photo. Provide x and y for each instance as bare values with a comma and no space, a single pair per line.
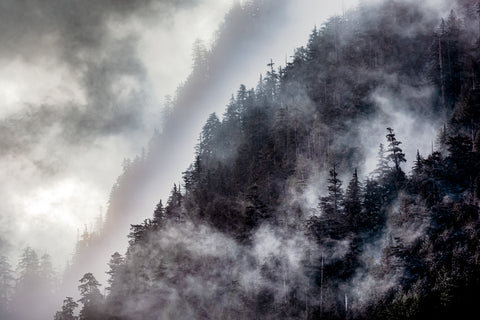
208,140
6,286
382,165
116,263
91,298
333,202
396,154
68,309
372,205
159,213
353,204
174,204
418,164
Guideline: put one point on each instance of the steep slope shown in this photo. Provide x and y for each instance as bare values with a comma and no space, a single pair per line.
262,226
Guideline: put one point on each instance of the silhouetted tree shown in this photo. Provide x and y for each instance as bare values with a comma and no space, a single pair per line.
158,213
332,204
91,298
353,204
6,287
382,168
372,207
68,309
115,264
396,154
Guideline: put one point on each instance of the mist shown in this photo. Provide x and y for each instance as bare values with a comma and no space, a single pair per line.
243,45
84,82
105,110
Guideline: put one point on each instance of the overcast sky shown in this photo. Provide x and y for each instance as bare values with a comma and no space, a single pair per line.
82,84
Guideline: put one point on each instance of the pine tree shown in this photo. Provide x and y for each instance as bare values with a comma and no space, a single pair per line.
6,286
333,203
158,214
208,140
91,298
418,164
372,206
174,203
353,203
139,232
68,309
28,287
116,263
28,266
442,141
396,154
46,273
382,168
462,162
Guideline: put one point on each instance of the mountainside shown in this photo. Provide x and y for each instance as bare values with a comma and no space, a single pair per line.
278,216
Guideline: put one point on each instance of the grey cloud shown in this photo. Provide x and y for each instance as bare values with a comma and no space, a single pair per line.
83,36
77,26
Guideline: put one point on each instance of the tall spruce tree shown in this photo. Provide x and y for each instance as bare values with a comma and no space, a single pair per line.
333,202
91,298
68,309
117,262
382,168
396,154
353,203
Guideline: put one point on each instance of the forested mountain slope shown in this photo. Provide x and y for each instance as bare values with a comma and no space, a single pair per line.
263,227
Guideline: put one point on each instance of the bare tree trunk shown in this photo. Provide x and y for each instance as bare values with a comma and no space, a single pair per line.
321,289
442,81
346,306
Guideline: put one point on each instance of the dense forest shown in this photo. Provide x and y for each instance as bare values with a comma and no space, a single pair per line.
277,217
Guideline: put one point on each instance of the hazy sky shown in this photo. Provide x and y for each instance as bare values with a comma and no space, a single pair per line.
81,88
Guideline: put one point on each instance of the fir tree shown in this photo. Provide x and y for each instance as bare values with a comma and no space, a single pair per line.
396,154
159,213
382,168
6,286
68,309
115,265
353,204
91,298
332,204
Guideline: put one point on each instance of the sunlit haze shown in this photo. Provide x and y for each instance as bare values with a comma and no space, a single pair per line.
54,188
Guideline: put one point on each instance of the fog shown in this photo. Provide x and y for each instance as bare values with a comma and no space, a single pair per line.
82,88
83,83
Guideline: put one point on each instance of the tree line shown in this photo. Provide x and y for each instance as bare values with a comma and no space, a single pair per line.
395,245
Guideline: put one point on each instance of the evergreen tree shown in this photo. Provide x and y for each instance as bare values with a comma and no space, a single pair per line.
418,164
353,204
91,298
47,274
139,232
208,140
372,206
116,263
6,287
332,204
159,213
462,162
28,267
200,65
28,287
174,203
68,309
396,178
396,154
382,168
442,141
